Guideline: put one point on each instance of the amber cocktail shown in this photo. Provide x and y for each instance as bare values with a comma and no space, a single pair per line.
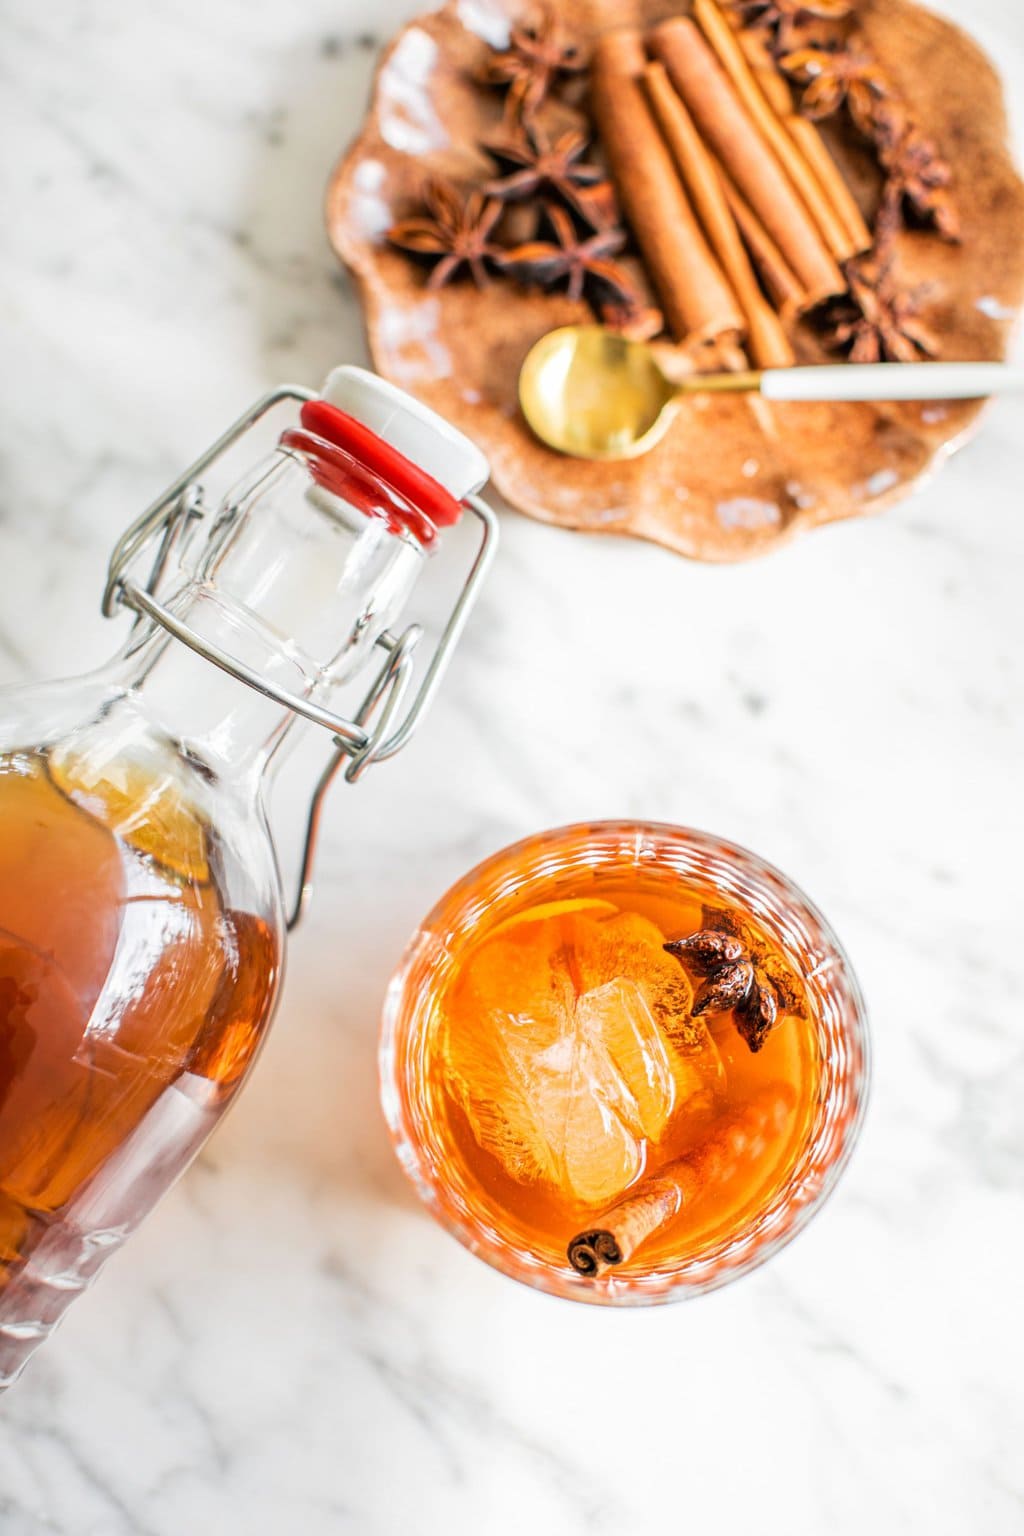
623,1062
133,998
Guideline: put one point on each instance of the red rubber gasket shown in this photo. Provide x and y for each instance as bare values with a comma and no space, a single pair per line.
425,493
341,473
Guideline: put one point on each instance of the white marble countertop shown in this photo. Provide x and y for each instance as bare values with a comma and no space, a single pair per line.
289,1344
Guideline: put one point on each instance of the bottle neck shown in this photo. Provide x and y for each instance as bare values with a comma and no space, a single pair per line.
294,583
217,720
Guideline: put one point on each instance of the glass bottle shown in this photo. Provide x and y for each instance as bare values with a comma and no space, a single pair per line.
142,918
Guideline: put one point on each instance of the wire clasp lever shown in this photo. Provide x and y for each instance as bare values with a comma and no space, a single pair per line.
384,721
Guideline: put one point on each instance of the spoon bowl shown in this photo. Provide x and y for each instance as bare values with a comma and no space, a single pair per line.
590,392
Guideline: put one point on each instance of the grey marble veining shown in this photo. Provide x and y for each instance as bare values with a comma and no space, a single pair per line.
289,1344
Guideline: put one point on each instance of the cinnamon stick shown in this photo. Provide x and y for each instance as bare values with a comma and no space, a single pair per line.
633,1220
806,135
778,276
622,1229
691,287
768,343
730,55
731,133
809,141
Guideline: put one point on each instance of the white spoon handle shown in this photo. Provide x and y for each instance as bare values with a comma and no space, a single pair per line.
892,381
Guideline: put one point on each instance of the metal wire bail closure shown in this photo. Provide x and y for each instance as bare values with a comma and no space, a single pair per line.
381,727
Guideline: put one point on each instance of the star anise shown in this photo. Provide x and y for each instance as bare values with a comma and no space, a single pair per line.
569,257
740,975
782,19
536,57
453,231
533,164
916,175
835,76
879,322
629,314
889,123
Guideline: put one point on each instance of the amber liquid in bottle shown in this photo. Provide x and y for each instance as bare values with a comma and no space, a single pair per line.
131,1002
566,1067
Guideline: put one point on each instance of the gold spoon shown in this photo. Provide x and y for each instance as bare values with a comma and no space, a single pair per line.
589,392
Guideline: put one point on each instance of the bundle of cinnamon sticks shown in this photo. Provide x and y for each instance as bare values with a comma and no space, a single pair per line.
738,209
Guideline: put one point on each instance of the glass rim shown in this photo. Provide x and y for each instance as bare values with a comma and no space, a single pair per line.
761,1234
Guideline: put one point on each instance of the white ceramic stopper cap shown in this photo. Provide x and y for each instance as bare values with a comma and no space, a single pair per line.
415,430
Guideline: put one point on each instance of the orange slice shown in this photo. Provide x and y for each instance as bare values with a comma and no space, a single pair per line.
592,904
147,811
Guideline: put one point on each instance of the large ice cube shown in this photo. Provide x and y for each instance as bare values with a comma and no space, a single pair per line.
563,1070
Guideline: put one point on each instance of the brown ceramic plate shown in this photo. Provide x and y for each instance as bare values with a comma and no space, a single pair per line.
732,477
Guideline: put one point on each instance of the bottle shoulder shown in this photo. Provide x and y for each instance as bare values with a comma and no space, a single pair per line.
93,747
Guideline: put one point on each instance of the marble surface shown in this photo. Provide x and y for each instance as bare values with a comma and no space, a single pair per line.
290,1344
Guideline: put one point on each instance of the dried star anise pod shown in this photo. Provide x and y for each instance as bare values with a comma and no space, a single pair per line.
782,19
629,314
536,57
835,76
889,124
756,1015
879,322
725,988
915,174
742,975
531,163
707,950
454,231
568,256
